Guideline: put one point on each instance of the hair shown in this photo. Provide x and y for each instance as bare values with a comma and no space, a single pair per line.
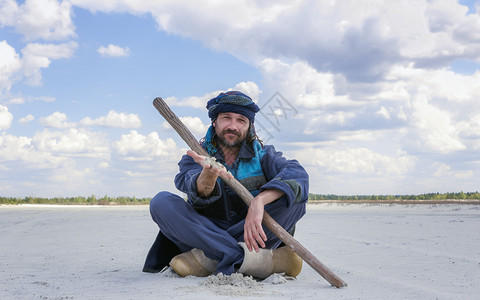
252,135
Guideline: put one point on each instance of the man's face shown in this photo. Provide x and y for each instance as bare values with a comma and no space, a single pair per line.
231,128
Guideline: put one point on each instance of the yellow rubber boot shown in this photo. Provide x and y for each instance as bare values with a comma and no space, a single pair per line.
193,262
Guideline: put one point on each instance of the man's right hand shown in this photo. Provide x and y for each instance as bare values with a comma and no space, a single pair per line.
210,172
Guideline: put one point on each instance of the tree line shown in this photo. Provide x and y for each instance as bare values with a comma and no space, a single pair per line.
106,200
427,196
91,200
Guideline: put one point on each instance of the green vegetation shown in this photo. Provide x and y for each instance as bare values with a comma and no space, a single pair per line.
429,196
92,200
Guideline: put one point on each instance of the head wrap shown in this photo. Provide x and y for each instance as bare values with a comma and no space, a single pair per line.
233,101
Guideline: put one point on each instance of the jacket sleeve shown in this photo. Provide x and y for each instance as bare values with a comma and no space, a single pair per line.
284,175
186,181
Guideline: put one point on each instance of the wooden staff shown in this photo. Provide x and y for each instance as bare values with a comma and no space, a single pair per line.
271,224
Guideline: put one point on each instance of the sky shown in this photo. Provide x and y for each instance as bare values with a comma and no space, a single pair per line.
370,97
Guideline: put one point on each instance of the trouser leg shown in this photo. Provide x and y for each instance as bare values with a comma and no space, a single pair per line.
160,254
187,229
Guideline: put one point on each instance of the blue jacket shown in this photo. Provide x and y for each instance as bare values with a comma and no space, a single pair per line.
258,168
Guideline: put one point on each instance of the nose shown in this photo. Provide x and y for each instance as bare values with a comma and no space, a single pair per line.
233,125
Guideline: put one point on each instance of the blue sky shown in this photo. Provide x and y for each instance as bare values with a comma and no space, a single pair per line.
370,99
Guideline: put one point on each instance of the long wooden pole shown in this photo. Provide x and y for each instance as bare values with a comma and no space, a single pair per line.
271,224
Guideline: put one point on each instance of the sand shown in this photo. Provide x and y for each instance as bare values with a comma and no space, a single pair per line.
381,251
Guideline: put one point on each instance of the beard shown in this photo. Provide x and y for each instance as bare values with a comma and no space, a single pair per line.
230,144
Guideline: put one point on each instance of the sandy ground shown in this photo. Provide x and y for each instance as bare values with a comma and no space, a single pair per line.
381,251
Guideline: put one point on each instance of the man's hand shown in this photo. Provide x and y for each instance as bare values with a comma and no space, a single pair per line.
211,170
253,235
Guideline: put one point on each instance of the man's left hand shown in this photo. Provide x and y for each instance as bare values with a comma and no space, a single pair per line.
254,235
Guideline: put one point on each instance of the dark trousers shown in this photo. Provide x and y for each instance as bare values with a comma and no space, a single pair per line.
183,228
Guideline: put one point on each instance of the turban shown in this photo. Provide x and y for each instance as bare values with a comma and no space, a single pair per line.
236,102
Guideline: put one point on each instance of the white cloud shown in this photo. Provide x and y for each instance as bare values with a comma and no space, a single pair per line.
21,150
194,124
39,19
113,51
361,41
16,100
111,120
136,147
383,112
72,178
114,120
249,88
36,56
302,85
442,83
433,130
56,120
355,160
5,118
78,142
336,119
27,119
10,65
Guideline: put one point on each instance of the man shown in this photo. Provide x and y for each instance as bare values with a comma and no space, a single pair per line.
214,230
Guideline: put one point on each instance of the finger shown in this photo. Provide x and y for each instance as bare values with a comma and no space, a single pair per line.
253,243
246,238
260,237
197,158
262,233
192,154
255,240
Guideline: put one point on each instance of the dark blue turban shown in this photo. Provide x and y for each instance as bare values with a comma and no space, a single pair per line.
236,102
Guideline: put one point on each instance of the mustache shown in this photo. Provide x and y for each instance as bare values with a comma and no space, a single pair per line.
231,131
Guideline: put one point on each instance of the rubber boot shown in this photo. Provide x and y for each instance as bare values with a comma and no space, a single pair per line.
193,262
267,262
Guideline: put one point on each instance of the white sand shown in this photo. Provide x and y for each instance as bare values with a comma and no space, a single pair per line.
381,251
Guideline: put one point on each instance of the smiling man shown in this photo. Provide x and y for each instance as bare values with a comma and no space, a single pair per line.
214,230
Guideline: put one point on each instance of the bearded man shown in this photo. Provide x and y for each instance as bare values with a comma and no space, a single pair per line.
214,231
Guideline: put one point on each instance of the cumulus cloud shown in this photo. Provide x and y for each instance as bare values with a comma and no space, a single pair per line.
114,120
250,88
10,65
27,119
355,160
303,85
433,129
111,120
20,149
56,120
36,56
113,51
135,146
39,19
194,124
362,42
73,141
5,118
